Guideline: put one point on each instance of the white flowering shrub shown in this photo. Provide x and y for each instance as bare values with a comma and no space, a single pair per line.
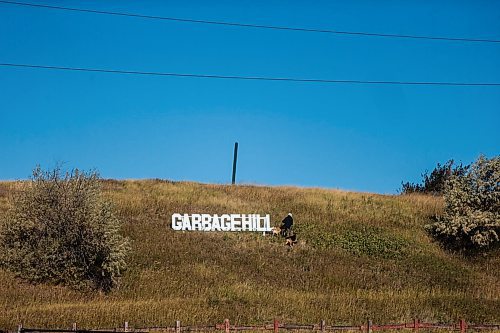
471,220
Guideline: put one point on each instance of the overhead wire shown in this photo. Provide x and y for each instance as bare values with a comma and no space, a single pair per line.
249,78
255,26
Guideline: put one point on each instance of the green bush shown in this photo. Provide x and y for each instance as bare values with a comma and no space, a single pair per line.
471,220
61,230
434,183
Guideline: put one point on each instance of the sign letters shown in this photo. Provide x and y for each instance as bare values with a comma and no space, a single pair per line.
224,222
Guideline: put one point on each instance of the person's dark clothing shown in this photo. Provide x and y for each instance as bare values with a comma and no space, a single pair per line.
286,223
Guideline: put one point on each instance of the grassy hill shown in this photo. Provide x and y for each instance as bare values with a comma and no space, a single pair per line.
359,256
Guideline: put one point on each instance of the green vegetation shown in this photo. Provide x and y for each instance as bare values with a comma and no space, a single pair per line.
471,222
359,255
434,183
60,230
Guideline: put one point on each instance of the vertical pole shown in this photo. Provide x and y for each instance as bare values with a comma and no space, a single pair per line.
276,325
177,326
74,327
235,158
125,327
463,326
20,328
416,324
369,326
226,325
322,325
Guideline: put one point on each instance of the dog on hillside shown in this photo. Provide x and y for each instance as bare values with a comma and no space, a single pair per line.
275,231
291,240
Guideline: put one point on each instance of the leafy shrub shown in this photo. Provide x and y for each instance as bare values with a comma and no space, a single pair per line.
61,230
434,183
472,215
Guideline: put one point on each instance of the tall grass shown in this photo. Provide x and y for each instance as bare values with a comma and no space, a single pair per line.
359,255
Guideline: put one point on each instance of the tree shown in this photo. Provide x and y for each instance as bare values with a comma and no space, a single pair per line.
471,221
61,230
434,183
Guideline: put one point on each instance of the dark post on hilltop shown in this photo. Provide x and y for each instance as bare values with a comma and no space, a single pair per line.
234,162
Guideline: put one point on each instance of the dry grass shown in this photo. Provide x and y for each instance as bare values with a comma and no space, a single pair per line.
359,256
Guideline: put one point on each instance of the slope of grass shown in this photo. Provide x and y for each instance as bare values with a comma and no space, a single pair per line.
359,255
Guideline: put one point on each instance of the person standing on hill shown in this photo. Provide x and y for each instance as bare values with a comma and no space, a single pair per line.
286,225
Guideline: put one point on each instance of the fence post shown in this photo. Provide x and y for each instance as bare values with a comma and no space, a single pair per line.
125,327
177,326
20,328
322,325
416,324
369,326
74,328
463,326
226,325
276,325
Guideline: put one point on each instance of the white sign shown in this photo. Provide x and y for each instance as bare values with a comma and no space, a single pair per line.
225,222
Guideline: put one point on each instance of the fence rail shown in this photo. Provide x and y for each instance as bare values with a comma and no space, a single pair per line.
275,326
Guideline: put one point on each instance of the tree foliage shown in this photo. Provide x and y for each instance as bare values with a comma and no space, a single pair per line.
434,183
61,230
471,220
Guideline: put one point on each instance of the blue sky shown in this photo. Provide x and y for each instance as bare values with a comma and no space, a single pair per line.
355,137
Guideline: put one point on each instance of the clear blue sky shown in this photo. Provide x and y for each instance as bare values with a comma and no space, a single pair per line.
355,137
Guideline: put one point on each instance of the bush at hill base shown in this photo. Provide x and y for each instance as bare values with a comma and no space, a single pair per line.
471,220
61,230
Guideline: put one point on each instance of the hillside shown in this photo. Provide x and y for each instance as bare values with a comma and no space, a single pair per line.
359,255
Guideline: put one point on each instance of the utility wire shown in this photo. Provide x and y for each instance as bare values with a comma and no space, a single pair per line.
257,26
250,78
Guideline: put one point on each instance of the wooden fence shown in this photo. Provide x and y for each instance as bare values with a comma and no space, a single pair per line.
276,326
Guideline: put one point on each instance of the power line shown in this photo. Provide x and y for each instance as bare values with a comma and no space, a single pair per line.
250,78
257,26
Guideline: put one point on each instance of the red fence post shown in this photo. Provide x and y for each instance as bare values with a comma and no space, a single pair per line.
226,325
463,326
276,325
416,324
